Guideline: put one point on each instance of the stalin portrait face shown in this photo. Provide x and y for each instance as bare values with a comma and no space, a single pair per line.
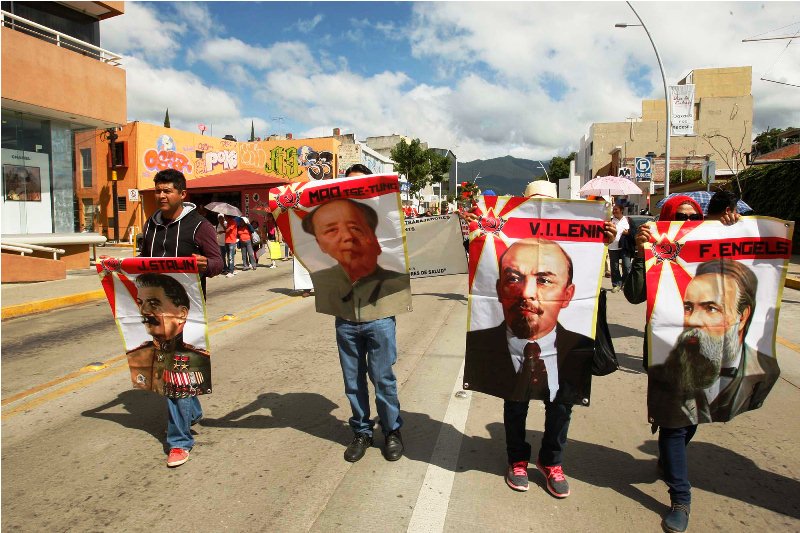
164,305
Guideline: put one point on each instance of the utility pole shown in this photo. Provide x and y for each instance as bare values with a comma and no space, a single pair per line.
112,138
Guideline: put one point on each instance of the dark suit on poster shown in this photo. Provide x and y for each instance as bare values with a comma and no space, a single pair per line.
753,379
489,367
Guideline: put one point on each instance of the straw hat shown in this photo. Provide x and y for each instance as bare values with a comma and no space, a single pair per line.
541,188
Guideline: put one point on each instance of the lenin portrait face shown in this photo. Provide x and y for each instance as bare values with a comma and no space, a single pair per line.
535,285
717,309
163,304
345,230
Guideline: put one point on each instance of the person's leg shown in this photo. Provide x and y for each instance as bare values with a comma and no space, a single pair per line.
613,256
514,416
231,257
381,346
223,252
551,453
181,413
251,257
672,455
672,444
380,336
626,265
556,426
352,357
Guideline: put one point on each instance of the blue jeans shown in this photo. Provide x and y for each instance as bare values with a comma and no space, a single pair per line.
616,256
248,257
369,348
672,444
231,252
554,440
182,412
223,252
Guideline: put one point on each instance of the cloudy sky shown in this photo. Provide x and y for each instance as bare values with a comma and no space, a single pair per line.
483,79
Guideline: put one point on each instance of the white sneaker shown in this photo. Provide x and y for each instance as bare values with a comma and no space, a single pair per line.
273,265
229,275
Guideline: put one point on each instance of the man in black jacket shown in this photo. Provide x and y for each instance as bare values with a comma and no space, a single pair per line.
178,230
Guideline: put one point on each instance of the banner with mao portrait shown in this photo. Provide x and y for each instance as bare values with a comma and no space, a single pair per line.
713,299
349,234
160,311
535,267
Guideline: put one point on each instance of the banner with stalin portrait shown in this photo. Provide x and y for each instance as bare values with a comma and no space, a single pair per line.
713,298
159,309
535,267
349,234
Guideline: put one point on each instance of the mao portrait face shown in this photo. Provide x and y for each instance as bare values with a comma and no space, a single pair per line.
345,231
535,285
717,308
164,306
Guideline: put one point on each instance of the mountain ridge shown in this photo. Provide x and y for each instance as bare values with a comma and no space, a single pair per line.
504,175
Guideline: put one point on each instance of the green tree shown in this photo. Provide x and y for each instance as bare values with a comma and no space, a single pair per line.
559,167
252,131
766,141
166,119
420,167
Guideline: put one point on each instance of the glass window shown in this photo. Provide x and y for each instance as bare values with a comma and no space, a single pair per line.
122,203
86,166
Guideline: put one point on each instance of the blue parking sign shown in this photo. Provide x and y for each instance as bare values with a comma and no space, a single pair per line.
644,169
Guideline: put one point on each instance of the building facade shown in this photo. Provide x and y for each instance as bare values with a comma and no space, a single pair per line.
245,170
723,120
77,86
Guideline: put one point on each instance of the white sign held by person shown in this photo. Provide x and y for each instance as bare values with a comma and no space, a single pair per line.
435,246
682,109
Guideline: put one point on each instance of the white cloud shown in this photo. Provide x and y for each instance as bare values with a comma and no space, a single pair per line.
219,53
198,18
307,25
142,32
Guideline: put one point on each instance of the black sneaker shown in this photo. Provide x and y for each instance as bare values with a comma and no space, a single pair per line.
555,479
358,447
677,519
393,449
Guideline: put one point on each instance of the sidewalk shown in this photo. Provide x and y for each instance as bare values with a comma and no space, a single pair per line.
21,299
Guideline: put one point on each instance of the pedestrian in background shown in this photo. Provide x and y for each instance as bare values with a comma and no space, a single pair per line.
244,232
221,225
231,239
616,253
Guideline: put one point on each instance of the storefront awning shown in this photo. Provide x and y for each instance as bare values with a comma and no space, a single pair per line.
234,179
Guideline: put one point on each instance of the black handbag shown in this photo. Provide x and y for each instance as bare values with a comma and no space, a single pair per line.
605,358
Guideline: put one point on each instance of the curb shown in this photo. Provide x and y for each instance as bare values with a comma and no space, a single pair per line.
792,283
40,306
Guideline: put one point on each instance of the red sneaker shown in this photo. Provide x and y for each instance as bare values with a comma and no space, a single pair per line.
557,484
517,476
177,457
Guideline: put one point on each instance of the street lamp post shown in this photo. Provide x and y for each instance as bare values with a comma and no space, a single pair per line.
666,94
545,170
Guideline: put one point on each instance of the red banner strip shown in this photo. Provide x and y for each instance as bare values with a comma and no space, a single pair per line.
742,248
141,265
554,229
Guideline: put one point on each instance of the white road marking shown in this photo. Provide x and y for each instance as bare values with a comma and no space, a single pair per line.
434,495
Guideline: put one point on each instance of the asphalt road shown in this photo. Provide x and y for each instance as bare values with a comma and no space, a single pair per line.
83,452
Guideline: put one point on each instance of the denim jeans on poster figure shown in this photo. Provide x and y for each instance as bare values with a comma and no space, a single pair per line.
369,348
182,412
672,443
231,251
615,256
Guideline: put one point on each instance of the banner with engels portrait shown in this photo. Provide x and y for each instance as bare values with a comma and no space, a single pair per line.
159,308
435,246
713,298
348,233
535,267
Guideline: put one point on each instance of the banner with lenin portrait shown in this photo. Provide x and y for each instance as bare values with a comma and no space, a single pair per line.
535,267
713,299
349,234
160,311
